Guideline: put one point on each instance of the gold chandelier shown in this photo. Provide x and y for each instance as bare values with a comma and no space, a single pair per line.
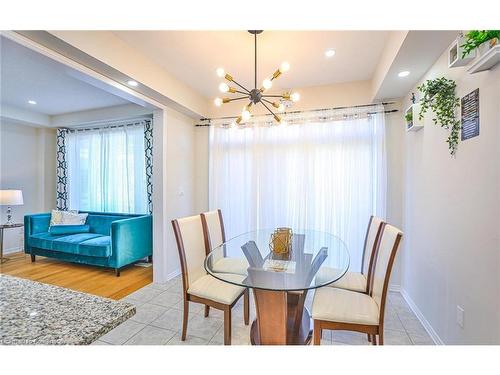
256,95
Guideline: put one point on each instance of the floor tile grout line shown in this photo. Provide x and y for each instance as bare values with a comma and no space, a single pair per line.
135,334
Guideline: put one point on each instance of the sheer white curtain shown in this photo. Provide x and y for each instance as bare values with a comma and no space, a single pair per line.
324,171
106,169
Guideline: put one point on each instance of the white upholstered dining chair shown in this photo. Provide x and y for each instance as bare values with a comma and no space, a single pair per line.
215,235
198,286
341,309
357,281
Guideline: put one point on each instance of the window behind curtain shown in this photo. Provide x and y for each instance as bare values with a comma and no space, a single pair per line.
106,169
321,173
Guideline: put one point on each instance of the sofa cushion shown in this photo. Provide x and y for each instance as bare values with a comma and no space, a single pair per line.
69,244
96,247
43,240
68,229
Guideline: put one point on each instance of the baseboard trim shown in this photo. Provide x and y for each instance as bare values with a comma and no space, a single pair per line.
13,250
173,274
394,288
432,333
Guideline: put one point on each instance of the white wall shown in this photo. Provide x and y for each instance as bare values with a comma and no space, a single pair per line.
180,180
451,253
27,163
395,134
201,156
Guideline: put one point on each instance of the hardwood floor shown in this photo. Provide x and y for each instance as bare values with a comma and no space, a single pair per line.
89,279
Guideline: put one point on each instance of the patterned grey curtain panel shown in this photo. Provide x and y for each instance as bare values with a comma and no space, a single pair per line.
148,147
62,171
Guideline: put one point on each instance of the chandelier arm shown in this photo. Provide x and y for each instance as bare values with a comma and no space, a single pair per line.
241,92
255,62
243,87
238,98
272,96
267,101
274,114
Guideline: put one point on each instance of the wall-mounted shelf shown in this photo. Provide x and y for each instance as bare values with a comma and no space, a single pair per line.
455,53
415,124
486,61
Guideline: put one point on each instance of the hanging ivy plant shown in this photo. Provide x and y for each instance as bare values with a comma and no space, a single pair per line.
439,96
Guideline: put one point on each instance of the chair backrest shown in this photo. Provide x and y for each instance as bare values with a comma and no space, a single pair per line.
386,252
191,245
253,254
371,238
213,228
212,221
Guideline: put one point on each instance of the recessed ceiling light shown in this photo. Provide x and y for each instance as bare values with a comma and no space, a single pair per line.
132,83
404,73
31,102
329,52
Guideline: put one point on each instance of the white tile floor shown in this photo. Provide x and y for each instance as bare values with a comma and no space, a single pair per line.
159,316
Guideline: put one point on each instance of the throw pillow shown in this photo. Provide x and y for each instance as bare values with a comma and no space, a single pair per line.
70,218
56,217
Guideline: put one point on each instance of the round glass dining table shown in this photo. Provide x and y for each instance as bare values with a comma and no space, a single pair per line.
280,281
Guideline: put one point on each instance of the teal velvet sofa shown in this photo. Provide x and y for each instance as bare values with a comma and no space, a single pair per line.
113,240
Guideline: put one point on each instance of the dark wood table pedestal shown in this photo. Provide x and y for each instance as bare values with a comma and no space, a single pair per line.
282,318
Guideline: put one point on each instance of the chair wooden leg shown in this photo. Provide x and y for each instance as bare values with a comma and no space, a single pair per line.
185,319
117,272
369,337
374,339
246,307
317,333
207,310
381,338
227,325
33,258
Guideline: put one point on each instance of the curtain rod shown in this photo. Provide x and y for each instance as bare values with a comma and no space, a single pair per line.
314,110
311,110
94,125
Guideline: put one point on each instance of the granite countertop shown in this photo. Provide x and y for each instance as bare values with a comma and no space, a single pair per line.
37,313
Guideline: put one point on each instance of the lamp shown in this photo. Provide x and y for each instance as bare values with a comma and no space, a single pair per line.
10,198
256,95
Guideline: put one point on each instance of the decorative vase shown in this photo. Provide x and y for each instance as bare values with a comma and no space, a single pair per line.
281,240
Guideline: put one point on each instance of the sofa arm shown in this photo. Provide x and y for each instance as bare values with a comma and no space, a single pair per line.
36,223
131,240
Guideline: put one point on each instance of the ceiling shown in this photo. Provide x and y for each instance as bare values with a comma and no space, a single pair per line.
418,52
193,56
28,75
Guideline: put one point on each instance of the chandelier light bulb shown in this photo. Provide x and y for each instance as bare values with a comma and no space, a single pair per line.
245,115
295,97
223,87
285,67
218,102
267,83
220,72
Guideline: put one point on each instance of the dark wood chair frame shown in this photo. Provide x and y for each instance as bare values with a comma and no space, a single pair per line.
208,249
371,330
369,275
207,302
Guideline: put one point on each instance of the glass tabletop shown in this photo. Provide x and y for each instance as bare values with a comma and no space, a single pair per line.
304,260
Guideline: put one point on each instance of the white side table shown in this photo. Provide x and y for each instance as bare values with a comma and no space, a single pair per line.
2,227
